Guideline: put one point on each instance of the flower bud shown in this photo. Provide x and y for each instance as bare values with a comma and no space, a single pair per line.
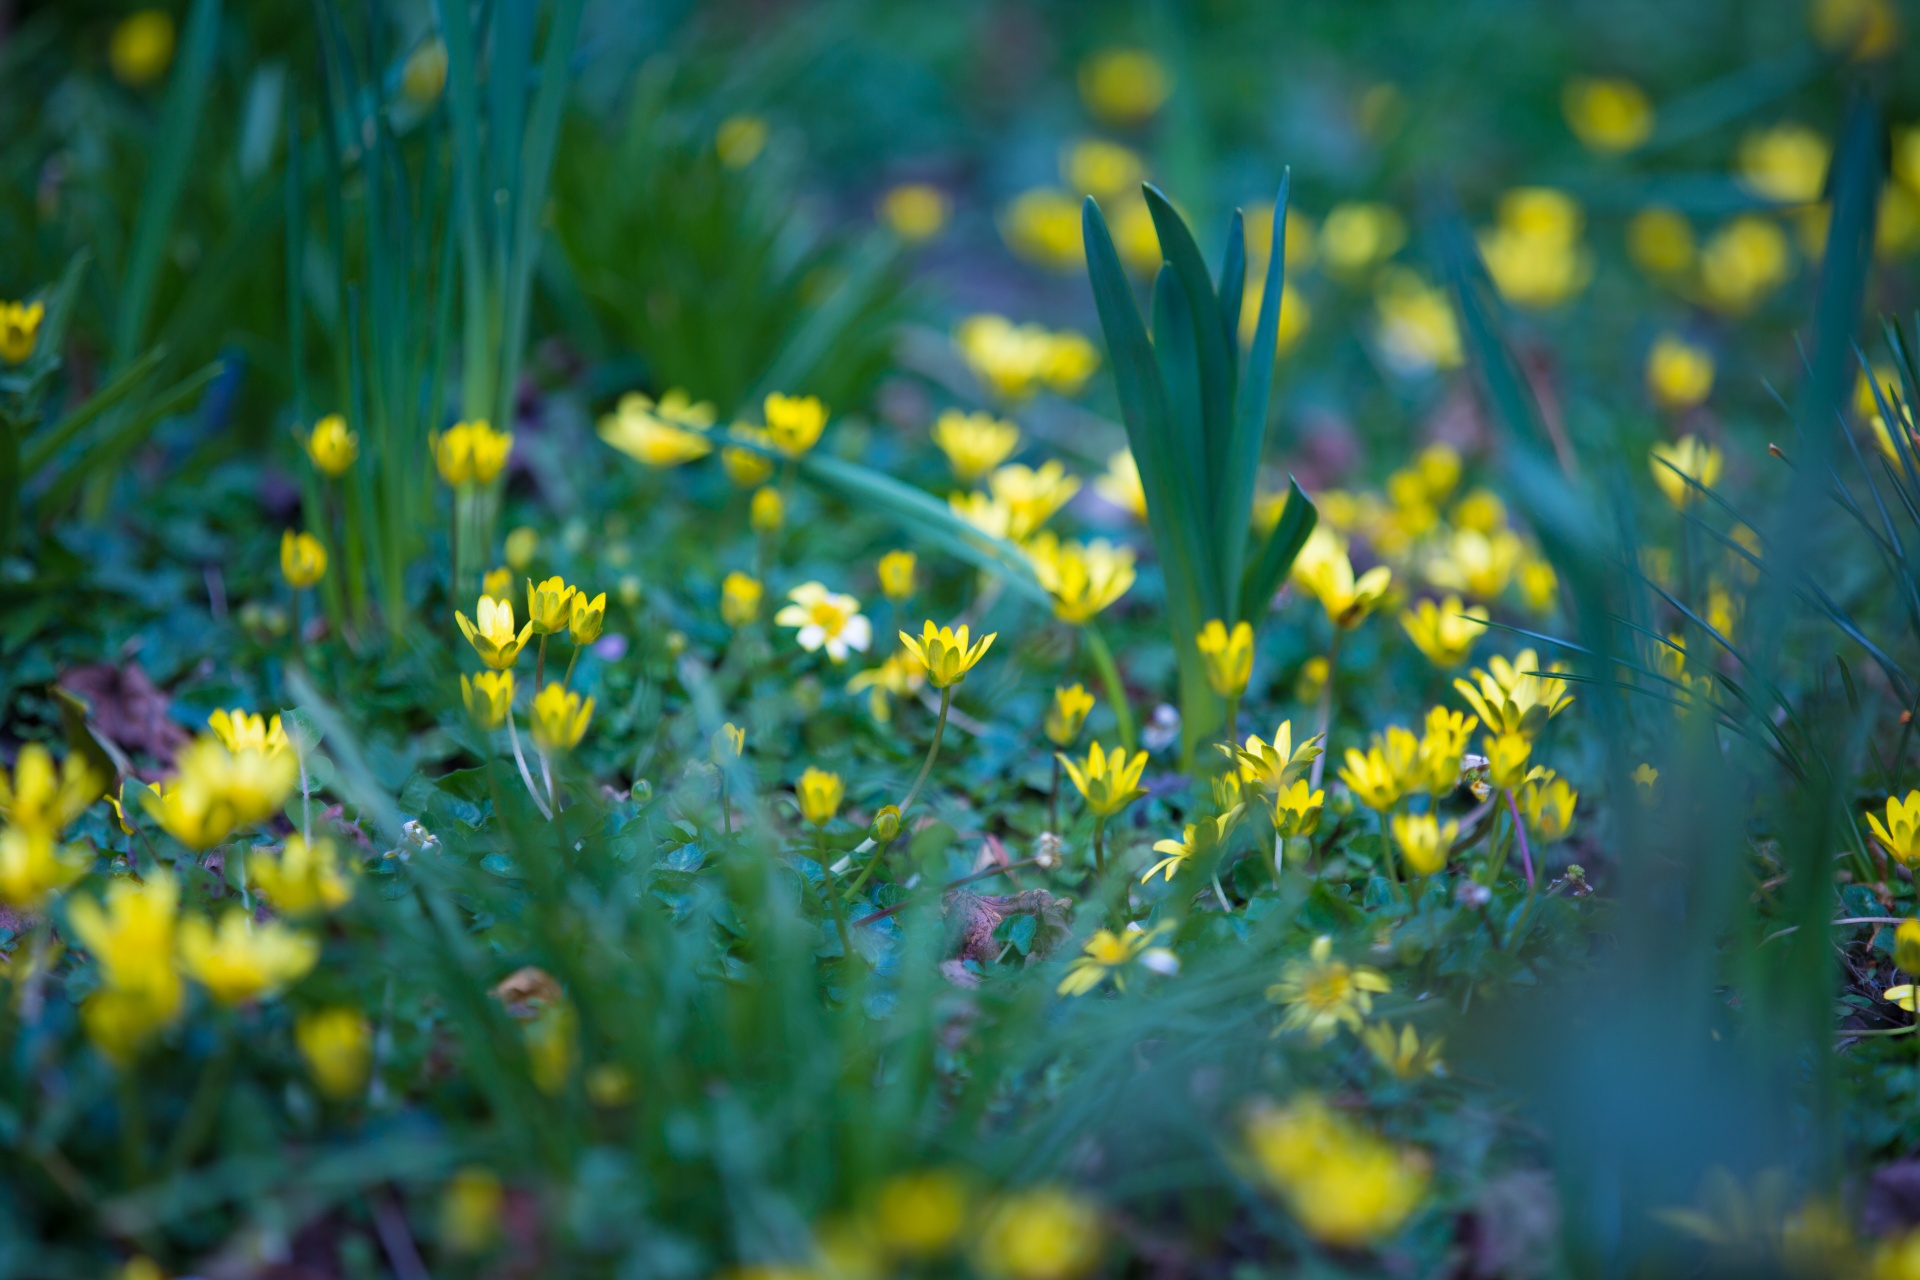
886,824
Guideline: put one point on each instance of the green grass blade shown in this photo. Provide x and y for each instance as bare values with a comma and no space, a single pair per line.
126,434
1173,352
1231,287
47,444
1212,340
1234,501
1265,575
469,167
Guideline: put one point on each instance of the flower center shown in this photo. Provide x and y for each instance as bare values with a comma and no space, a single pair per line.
829,617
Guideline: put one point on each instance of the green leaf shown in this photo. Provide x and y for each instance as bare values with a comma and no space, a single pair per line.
126,434
1283,545
1173,352
1234,502
1232,286
45,446
1213,344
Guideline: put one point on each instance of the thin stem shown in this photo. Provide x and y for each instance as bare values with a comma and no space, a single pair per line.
832,896
526,776
30,993
572,658
726,806
933,750
1110,678
873,864
204,1109
546,776
1326,709
299,631
540,664
306,797
1520,835
1233,720
1099,845
1226,903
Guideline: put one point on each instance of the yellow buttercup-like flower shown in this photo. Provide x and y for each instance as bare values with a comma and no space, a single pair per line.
975,443
1082,578
1742,263
304,879
20,329
1121,484
740,596
215,790
1323,994
494,638
241,961
1534,254
470,453
131,942
1044,1233
1386,771
330,446
549,605
1324,572
1899,835
337,1044
915,210
896,575
1444,632
1906,947
1107,781
983,511
303,561
945,654
1424,842
1015,361
1515,697
1688,459
40,798
1042,225
1346,1187
728,743
747,468
34,866
587,617
1123,86
664,435
819,793
1608,116
1107,955
488,698
1437,763
142,47
1548,802
1296,809
768,511
1507,756
794,423
900,675
921,1215
239,730
560,718
1197,839
825,619
1068,714
1679,373
1227,657
1403,1052
1787,162
498,583
739,140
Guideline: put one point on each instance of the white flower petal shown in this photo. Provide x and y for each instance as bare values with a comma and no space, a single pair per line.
812,636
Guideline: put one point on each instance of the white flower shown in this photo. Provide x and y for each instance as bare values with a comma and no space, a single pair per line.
824,618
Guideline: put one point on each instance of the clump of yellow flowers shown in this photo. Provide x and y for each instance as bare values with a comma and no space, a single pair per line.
39,802
1345,1186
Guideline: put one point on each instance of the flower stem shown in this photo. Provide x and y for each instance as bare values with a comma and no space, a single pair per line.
873,863
572,658
933,751
1099,845
540,664
1053,798
1110,677
832,895
1520,836
1326,708
526,776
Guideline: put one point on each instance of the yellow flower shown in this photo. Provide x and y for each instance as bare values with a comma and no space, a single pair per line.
739,140
131,942
915,210
331,447
424,75
587,617
215,791
1324,572
1107,954
1123,86
1517,696
1197,839
1549,803
549,606
1017,360
488,698
1043,1233
944,652
920,1215
1068,714
728,743
243,961
20,329
1032,495
1099,168
1507,756
1345,1186
1742,263
664,435
794,423
1227,656
338,1046
1904,995
470,1210
609,1085
521,544
304,879
552,1037
1608,116
825,619
975,443
1042,225
560,718
1689,459
471,453
40,798
34,866
1539,585
896,575
1864,29
1134,235
1906,946
1082,578
740,596
1296,313
142,47
1296,809
886,824
1645,775
747,468
819,793
1121,484
1899,835
900,675
983,511
1381,775
1403,1053
1660,242
1356,236
1534,255
1787,163
1438,761
1445,632
494,639
766,512
1679,373
240,731
1895,1258
1324,994
303,561
1424,842
1109,782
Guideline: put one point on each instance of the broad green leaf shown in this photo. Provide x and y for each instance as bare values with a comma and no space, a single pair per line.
1232,287
42,449
1265,575
1213,344
1233,508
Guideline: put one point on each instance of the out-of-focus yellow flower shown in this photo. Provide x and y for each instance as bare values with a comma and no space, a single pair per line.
1296,809
43,799
944,652
549,606
984,512
1303,241
471,453
1864,29
899,676
494,638
746,468
303,561
1787,162
1123,86
1324,572
552,1038
663,435
975,443
1424,842
488,698
1507,756
1273,767
470,1210
1477,563
740,596
239,730
243,961
521,544
1042,225
215,791
1549,803
1107,955
1444,632
1068,714
824,618
1385,771
819,793
1608,116
1045,1233
304,879
34,867
1898,1256
1121,485
330,446
1355,237
1227,656
1017,360
1099,168
794,423
1296,314
1107,781
1135,237
1534,254
1515,697
424,75
1688,459
921,1215
1032,495
140,1267
1660,242
1481,510
609,1085
915,211
729,742
1906,946
1197,839
1899,835
1403,1053
20,329
1416,327
337,1044
1679,373
895,572
560,718
1645,775
739,140
1744,261
587,617
1323,994
142,47
1082,578
1437,763
1346,1187
131,942
767,512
